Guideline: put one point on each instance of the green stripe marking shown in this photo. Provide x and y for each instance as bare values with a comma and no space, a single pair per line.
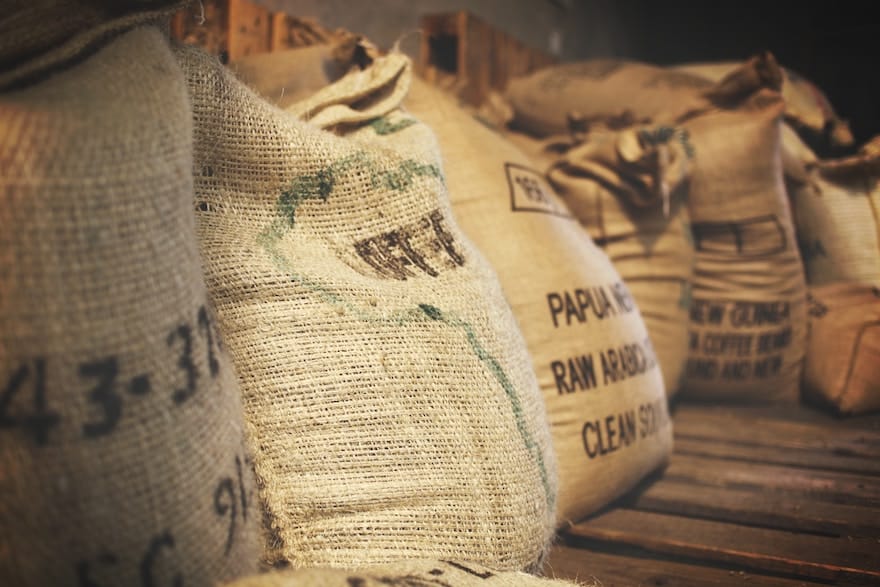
383,126
320,186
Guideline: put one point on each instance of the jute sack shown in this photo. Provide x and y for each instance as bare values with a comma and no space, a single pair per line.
394,409
414,573
548,100
617,93
122,454
38,37
806,106
842,367
594,359
628,189
747,316
836,207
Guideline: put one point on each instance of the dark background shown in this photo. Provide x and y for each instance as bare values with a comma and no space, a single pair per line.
835,45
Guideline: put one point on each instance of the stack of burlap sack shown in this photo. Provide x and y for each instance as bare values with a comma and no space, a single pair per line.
235,337
784,299
307,312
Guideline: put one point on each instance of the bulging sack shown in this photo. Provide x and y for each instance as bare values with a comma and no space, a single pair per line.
842,367
121,430
595,361
628,190
394,410
747,316
836,207
415,573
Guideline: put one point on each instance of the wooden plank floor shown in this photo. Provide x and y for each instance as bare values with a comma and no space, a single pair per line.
752,496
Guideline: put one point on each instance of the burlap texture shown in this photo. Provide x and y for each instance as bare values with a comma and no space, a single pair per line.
628,189
122,457
842,367
595,363
748,317
410,573
806,106
395,411
38,37
836,208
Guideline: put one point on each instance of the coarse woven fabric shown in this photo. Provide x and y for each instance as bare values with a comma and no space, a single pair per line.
747,317
122,442
628,189
842,367
39,37
595,361
395,411
410,573
836,208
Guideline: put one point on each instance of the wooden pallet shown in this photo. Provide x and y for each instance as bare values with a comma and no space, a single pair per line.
752,496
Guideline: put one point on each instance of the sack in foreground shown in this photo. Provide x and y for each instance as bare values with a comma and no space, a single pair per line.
415,573
394,410
122,439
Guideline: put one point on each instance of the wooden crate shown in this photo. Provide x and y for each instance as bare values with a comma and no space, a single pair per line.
204,24
752,496
461,52
234,29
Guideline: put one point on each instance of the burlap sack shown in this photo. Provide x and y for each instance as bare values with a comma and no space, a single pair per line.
842,367
594,359
628,189
836,207
747,314
122,459
546,101
395,412
410,573
38,37
806,106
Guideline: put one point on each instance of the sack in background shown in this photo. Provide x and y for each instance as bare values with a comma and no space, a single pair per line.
395,413
415,573
842,368
836,208
595,362
748,318
628,189
806,106
38,37
122,440
545,101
